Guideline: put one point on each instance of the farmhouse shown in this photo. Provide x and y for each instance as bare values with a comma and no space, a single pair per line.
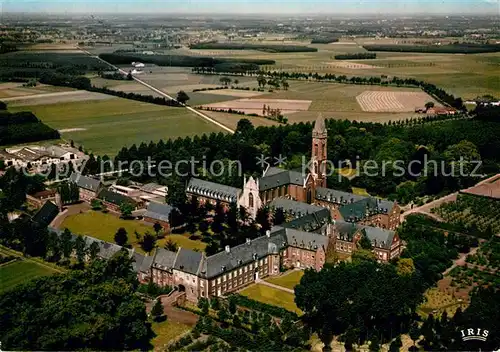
89,187
36,200
441,110
159,213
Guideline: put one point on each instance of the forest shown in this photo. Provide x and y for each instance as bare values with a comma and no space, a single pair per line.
356,56
23,127
119,58
260,47
324,40
459,48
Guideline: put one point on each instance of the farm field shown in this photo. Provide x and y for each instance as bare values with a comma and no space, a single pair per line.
289,280
385,101
56,98
255,106
104,226
231,120
20,271
105,126
12,90
272,296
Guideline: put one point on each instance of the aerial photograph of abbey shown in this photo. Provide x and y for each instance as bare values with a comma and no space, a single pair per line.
234,175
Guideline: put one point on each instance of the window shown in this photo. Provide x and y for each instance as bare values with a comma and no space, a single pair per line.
265,260
250,200
224,278
315,149
218,280
246,268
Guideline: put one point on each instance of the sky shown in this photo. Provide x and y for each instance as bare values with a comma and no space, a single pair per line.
380,7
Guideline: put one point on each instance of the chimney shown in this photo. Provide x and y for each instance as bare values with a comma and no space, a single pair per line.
228,249
268,233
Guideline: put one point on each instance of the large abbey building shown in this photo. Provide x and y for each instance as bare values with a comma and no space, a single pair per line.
320,220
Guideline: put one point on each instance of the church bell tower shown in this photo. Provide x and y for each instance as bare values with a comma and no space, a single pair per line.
319,156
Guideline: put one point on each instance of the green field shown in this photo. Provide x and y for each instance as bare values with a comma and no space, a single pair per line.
108,125
289,280
21,271
104,226
165,332
272,296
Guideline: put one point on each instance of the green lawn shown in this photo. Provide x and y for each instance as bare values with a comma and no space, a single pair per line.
108,125
289,280
165,332
272,296
360,191
21,271
104,226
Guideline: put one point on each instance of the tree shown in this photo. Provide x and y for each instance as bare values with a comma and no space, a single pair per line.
157,311
236,82
429,104
223,313
364,242
285,85
405,266
96,204
66,243
362,255
225,80
204,305
3,106
148,242
414,333
261,81
93,250
232,305
126,209
182,97
279,216
263,219
396,344
157,227
171,246
121,237
80,248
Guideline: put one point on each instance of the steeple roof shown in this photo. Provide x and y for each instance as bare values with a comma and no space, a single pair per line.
319,125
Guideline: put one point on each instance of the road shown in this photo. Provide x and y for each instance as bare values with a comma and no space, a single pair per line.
156,90
460,261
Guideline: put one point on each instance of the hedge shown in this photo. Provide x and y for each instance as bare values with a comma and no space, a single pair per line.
275,311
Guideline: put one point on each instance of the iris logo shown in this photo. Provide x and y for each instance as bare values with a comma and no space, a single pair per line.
474,334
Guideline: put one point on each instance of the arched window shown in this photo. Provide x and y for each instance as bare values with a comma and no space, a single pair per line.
316,149
250,200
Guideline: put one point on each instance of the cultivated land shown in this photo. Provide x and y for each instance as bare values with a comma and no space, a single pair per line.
104,226
20,271
255,106
385,101
12,90
231,120
288,280
272,296
105,126
56,98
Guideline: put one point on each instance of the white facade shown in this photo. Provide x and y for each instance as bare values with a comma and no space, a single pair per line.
250,198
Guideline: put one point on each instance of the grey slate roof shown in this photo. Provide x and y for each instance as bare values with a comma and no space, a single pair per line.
258,248
142,263
85,182
164,259
273,179
295,208
310,223
46,214
365,207
188,261
380,237
158,211
337,197
115,198
306,240
213,190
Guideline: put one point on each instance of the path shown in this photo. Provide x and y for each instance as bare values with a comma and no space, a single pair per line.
426,208
174,313
460,261
156,90
265,283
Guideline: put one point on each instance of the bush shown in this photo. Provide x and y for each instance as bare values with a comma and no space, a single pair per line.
263,307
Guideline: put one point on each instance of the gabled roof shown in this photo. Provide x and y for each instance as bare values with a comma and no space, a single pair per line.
337,197
85,182
142,263
164,259
213,190
115,198
295,208
380,238
273,179
310,223
46,214
188,261
364,208
305,240
255,249
158,211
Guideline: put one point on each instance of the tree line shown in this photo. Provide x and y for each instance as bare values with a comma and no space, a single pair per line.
356,56
270,48
457,48
324,40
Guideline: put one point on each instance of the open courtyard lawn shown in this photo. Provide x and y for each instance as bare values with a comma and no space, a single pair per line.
105,126
104,226
360,191
166,331
288,280
20,271
272,296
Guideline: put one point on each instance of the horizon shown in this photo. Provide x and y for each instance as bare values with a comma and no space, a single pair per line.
253,7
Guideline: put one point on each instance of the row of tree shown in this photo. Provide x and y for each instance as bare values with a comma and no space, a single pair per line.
271,48
23,127
456,48
356,56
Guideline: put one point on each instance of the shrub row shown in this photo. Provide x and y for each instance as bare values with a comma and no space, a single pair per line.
463,48
260,47
324,40
356,56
